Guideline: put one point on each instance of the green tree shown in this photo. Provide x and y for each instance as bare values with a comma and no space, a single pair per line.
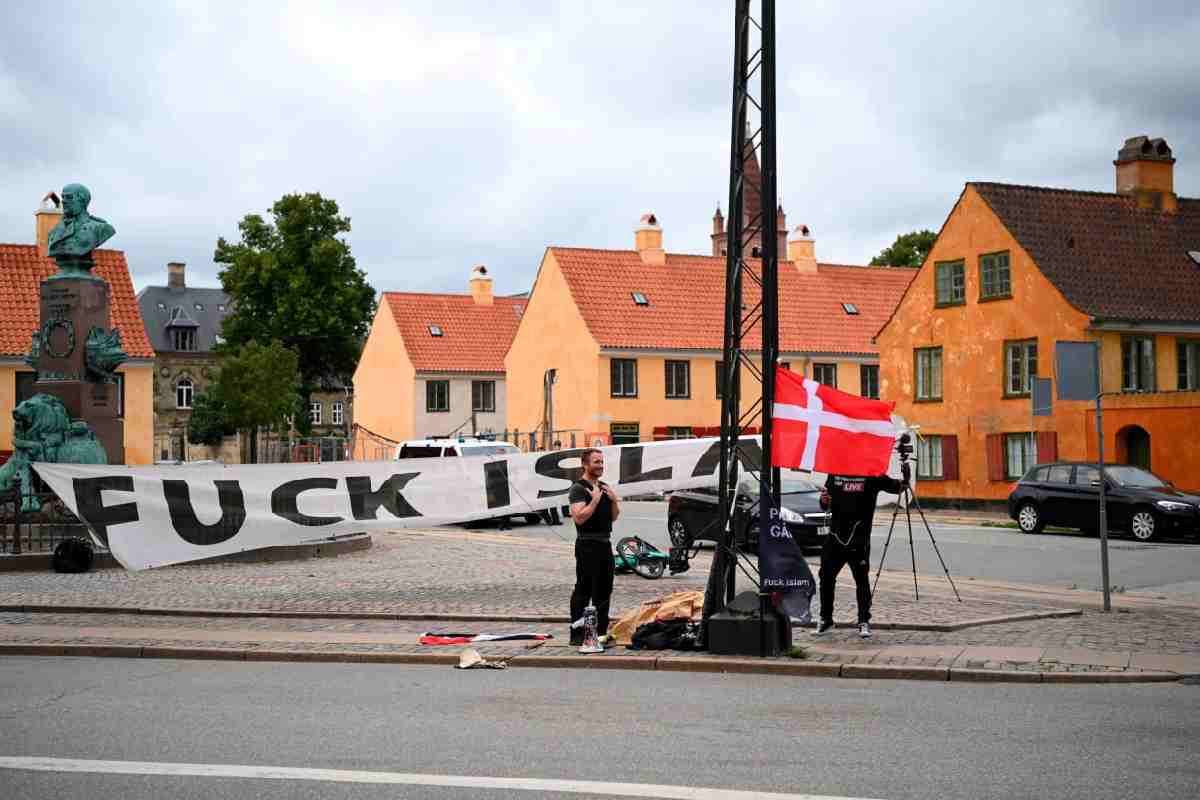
258,387
294,281
909,250
207,423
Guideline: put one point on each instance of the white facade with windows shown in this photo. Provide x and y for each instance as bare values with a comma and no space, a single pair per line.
444,404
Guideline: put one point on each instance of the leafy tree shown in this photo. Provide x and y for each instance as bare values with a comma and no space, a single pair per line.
258,387
207,423
293,281
909,250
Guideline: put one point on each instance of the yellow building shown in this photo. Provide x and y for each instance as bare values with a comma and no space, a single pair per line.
635,336
433,365
1017,269
23,267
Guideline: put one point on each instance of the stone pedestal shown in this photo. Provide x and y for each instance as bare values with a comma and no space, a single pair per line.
70,308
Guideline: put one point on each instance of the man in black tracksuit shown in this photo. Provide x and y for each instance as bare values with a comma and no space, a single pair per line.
851,503
594,506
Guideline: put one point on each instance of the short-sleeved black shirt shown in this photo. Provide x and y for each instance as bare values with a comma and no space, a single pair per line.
599,525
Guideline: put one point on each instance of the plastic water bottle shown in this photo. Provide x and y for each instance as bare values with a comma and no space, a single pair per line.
591,641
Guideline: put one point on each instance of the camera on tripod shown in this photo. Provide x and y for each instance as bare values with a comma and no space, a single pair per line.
905,448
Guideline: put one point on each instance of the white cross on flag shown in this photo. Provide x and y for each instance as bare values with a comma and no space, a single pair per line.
820,429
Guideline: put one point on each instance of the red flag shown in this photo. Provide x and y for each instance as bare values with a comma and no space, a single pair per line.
820,429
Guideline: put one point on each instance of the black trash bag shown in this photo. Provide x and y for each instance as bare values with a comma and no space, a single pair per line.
73,555
665,634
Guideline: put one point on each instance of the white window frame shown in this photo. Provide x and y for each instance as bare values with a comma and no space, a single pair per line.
337,412
929,457
483,397
1020,367
1020,454
185,393
314,411
678,379
934,371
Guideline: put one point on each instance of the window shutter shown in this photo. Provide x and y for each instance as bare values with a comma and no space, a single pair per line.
950,458
995,456
1047,446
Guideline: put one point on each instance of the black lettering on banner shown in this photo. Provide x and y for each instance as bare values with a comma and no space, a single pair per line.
284,501
190,528
748,452
631,467
495,484
364,503
548,466
90,506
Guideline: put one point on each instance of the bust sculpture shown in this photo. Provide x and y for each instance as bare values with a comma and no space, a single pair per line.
72,240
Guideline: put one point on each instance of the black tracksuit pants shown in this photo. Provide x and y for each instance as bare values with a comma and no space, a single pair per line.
593,580
834,556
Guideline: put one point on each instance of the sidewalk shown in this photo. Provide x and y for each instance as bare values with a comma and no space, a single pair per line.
373,605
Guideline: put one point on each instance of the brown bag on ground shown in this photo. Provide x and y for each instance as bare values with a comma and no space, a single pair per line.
679,605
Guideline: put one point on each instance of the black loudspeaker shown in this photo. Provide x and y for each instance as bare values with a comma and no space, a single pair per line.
742,629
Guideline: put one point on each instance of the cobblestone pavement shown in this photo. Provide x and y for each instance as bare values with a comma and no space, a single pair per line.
454,572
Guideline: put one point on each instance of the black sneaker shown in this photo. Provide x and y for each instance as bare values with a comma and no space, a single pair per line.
576,637
823,628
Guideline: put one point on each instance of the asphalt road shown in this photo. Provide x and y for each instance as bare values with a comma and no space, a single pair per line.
429,725
1062,560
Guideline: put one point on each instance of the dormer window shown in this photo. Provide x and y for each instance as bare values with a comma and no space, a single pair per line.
435,330
850,308
183,338
640,299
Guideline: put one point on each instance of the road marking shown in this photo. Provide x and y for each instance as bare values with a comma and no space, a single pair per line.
653,790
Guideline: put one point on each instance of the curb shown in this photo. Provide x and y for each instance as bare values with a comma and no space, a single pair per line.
936,627
742,666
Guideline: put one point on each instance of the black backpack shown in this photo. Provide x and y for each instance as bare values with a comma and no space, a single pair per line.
73,555
665,634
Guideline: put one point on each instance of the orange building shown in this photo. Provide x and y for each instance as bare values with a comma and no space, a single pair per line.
635,336
1016,269
23,267
433,365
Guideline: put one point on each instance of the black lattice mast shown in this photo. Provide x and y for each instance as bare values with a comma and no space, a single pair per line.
754,312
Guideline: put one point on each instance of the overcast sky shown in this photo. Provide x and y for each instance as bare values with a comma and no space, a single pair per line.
460,133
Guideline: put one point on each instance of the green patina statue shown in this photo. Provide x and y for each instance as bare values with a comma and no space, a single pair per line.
43,431
104,354
72,240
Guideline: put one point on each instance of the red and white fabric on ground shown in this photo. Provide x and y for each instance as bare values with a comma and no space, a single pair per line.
441,637
820,429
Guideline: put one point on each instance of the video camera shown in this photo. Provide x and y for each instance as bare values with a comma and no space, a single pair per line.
905,448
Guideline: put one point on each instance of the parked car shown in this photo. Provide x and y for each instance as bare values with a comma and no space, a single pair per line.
1067,494
451,448
694,515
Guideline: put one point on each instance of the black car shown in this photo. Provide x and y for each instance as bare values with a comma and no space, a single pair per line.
1137,501
694,514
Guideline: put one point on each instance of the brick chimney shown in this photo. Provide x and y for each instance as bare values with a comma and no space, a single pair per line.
802,250
781,232
647,240
175,278
481,286
1146,172
48,215
718,234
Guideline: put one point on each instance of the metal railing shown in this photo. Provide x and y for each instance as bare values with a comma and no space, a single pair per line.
36,531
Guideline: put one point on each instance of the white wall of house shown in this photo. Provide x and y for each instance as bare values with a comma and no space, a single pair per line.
440,423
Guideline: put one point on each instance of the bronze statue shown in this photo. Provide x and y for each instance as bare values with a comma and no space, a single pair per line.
72,240
43,431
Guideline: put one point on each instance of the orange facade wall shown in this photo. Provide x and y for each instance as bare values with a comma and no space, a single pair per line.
383,384
553,335
972,338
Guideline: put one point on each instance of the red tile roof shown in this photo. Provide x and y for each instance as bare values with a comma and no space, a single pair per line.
1109,258
22,271
687,298
475,338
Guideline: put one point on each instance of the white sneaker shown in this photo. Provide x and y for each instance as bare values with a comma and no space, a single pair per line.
864,630
823,628
592,647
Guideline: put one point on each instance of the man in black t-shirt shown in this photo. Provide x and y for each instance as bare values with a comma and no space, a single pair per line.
851,502
594,506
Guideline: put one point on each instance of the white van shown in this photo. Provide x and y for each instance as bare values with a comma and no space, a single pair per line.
442,448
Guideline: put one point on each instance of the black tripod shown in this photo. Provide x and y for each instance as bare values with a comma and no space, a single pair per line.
905,449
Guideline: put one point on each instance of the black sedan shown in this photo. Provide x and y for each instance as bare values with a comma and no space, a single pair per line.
1067,494
694,514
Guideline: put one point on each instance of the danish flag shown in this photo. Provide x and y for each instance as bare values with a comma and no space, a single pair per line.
820,429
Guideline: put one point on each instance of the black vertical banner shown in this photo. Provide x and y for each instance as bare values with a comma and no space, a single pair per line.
782,567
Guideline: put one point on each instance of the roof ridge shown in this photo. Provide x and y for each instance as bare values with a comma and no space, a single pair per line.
456,295
1059,190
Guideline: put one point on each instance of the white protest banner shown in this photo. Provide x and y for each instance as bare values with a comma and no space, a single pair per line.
157,515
